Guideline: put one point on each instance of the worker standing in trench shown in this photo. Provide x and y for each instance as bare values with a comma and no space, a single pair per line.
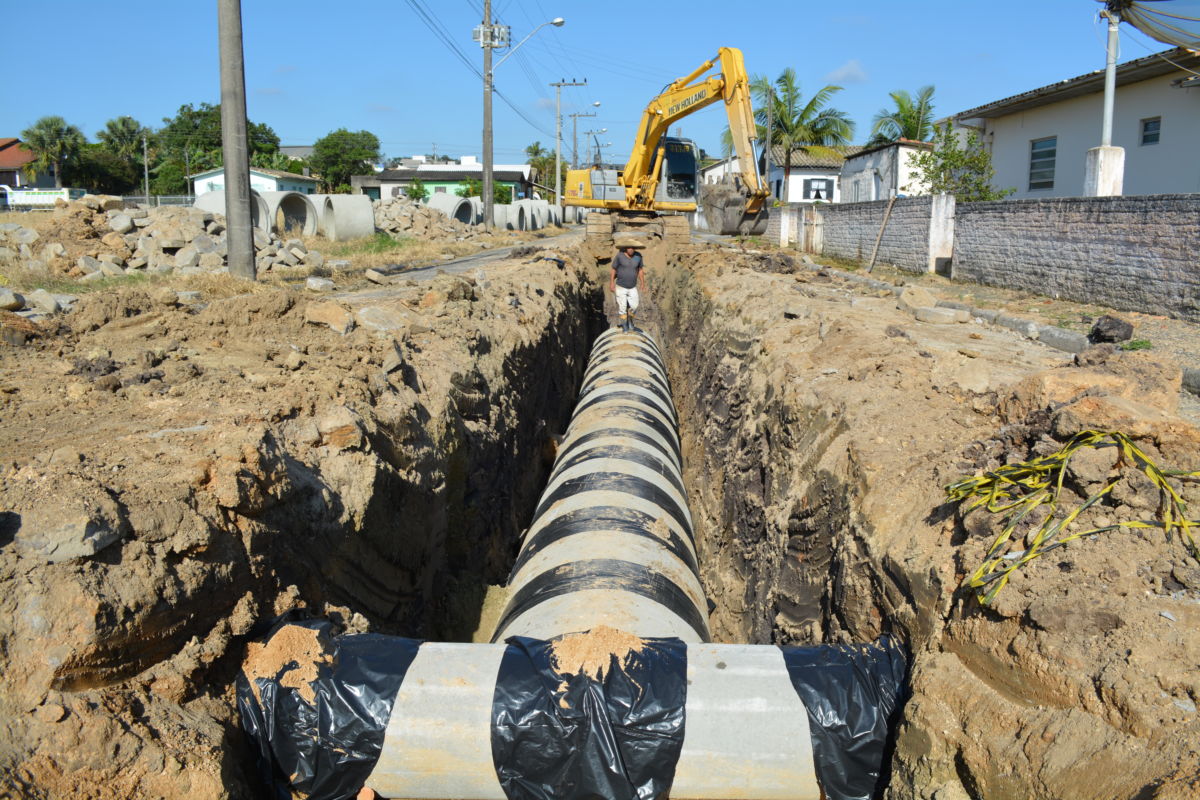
627,277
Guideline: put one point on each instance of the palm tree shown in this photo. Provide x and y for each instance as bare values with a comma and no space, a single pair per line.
53,141
796,125
123,136
541,159
912,117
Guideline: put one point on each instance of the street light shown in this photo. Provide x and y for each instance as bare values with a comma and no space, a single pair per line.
490,37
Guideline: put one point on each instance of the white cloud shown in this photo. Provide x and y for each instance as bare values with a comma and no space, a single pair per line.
850,72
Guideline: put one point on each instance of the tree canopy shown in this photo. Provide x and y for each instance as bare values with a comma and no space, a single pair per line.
910,118
342,153
796,124
961,167
54,142
122,136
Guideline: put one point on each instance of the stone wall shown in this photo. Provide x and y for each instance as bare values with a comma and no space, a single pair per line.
849,231
1133,253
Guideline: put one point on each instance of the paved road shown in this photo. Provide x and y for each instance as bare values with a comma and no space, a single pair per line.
466,263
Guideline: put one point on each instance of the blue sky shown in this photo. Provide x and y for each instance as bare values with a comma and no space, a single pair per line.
312,67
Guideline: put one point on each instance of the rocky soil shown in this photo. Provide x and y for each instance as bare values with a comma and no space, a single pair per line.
822,422
174,475
399,216
178,470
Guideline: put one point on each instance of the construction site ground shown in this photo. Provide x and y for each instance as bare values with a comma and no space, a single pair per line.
176,473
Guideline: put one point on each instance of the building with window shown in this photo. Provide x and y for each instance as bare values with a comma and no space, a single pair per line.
439,177
813,176
1039,139
261,180
882,171
14,166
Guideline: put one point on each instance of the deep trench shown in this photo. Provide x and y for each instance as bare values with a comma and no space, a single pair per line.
767,581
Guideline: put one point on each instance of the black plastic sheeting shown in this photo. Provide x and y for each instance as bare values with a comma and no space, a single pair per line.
326,751
852,693
618,738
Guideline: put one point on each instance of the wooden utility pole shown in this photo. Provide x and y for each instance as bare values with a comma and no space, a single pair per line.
239,233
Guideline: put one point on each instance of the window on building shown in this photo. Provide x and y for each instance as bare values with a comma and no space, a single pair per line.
818,189
439,190
1151,128
1042,153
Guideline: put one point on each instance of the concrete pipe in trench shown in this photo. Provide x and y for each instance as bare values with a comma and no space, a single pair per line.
348,216
610,547
290,211
215,202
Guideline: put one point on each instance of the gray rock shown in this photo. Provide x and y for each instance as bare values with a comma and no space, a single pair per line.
136,213
319,285
289,258
76,524
939,316
380,318
296,244
186,257
261,238
92,277
25,236
315,259
1021,326
188,296
66,300
212,260
143,222
88,264
1063,339
393,358
10,300
53,250
41,300
985,314
111,258
204,244
136,263
914,297
170,242
375,277
1111,329
7,254
111,270
121,223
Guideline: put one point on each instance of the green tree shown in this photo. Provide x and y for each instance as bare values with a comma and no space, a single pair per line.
961,167
122,136
54,142
911,118
542,161
340,154
416,190
797,125
471,187
101,171
191,142
279,161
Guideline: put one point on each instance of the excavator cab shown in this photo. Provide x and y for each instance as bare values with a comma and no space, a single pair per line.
680,166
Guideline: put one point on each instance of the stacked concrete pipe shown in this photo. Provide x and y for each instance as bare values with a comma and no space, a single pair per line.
347,216
610,547
454,207
297,210
215,202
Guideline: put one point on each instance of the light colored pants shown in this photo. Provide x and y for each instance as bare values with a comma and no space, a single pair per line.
626,299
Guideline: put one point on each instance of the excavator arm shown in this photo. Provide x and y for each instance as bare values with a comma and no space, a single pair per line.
686,96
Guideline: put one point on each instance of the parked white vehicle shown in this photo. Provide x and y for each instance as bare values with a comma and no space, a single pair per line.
31,199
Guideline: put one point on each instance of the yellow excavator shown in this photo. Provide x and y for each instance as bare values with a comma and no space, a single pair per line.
660,183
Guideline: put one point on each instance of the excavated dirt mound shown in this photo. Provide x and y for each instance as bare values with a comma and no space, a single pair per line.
821,425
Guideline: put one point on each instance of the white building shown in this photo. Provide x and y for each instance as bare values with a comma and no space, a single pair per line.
1039,139
882,171
261,180
813,175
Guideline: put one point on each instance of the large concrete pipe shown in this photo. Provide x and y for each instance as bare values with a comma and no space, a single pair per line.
454,207
322,207
215,202
608,557
348,216
611,540
476,209
502,215
290,211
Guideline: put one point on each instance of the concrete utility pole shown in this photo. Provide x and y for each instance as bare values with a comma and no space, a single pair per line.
767,145
558,136
575,133
486,41
146,167
239,235
1104,173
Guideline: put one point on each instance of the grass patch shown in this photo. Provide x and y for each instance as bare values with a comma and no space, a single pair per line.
1136,344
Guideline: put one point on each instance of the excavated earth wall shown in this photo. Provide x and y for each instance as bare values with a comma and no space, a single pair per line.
176,476
821,424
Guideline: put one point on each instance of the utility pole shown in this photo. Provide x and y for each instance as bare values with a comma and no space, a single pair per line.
486,41
239,235
558,135
1104,171
767,147
575,136
146,167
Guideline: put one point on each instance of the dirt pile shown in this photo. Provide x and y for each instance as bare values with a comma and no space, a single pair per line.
834,421
97,237
399,216
175,475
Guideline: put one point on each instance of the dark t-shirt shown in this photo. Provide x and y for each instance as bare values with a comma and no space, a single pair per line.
627,268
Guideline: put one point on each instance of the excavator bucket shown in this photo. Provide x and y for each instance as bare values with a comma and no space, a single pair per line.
725,205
